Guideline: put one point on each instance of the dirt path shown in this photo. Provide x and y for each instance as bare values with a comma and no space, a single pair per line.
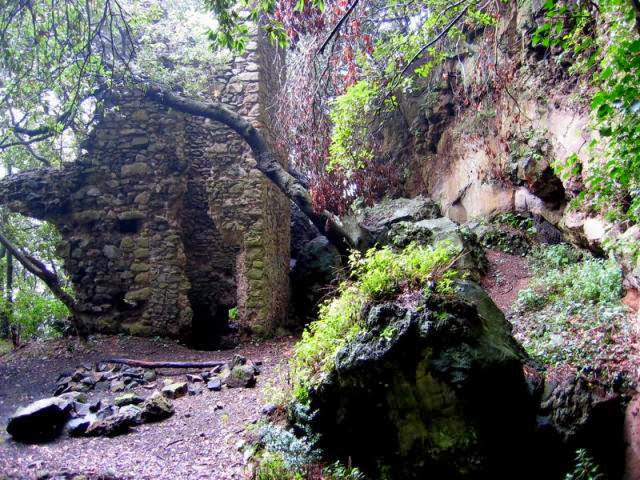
199,441
507,275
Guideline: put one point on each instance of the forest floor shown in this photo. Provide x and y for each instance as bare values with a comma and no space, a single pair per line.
201,440
506,276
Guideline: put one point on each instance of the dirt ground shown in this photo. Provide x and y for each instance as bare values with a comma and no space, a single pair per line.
201,440
507,275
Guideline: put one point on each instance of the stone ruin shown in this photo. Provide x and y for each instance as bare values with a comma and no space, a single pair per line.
165,220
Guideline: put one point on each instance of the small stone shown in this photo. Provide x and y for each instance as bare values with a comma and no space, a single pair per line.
237,360
194,378
133,412
269,409
76,397
111,426
106,411
81,409
239,376
128,399
156,407
95,405
117,386
214,384
194,389
150,376
77,426
175,390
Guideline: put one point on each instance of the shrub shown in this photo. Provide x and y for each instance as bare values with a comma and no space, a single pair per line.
585,469
337,471
272,467
572,312
552,257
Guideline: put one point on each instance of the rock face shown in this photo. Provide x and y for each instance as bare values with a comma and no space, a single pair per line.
370,225
473,260
435,392
41,421
166,223
574,414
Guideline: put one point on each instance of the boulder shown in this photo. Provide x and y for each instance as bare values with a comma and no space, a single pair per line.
574,413
367,226
435,230
435,391
40,421
316,265
156,407
214,384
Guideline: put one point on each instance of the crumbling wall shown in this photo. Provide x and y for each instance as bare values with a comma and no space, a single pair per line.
166,222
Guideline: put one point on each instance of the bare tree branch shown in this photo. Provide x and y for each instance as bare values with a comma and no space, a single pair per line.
38,269
338,26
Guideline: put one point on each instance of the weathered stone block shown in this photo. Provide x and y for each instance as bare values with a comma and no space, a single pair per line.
134,169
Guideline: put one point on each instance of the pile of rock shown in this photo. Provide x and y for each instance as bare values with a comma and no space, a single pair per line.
71,411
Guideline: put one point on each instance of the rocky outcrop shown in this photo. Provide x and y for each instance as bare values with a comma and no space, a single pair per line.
434,391
368,226
575,414
315,264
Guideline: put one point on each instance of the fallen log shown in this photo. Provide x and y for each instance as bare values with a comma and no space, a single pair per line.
146,364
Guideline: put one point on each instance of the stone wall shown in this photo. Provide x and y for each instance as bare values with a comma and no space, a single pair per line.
166,222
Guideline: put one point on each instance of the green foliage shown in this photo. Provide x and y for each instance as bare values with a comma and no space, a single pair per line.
516,221
35,313
54,55
585,468
172,47
337,471
233,314
602,37
233,15
377,274
272,467
572,312
33,309
553,257
350,115
5,346
282,455
339,322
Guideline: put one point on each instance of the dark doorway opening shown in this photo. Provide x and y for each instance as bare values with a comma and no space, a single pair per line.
210,268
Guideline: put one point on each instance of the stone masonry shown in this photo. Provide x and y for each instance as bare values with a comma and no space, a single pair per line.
166,222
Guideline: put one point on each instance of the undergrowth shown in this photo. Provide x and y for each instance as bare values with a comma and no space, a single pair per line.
285,456
379,274
572,312
585,468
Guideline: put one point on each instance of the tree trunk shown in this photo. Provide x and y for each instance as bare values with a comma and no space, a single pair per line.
164,364
52,281
267,162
